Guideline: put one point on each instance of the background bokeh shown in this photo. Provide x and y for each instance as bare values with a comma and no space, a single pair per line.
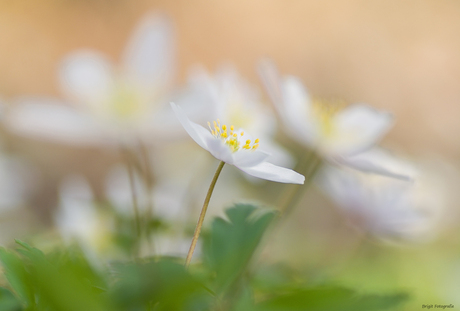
399,56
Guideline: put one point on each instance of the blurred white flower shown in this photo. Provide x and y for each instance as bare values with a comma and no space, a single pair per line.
227,96
386,207
224,143
78,219
17,180
109,103
340,135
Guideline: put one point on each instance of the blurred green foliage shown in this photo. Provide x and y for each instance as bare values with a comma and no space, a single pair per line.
67,280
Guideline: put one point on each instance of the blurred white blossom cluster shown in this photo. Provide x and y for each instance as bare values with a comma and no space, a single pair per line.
134,107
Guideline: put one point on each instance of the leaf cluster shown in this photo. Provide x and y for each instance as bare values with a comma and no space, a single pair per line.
226,279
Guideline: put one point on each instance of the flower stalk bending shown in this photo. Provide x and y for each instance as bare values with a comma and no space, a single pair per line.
203,213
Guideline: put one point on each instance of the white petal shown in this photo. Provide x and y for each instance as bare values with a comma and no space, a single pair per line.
272,172
246,158
198,133
87,77
150,53
45,119
374,161
219,150
358,128
292,103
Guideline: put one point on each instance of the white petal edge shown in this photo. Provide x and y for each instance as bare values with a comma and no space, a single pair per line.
373,161
198,133
150,53
292,102
86,76
272,172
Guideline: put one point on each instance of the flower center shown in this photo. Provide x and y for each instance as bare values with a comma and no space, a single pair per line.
231,138
325,111
126,102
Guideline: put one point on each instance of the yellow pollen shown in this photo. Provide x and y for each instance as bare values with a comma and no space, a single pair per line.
215,124
224,127
232,128
255,146
242,133
235,135
256,141
248,142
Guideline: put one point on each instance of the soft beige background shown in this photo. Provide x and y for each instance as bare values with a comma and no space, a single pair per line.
399,55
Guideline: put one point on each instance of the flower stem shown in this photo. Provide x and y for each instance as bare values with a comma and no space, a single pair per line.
308,167
137,218
203,213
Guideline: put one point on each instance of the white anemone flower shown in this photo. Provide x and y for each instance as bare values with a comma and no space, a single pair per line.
387,208
105,102
341,135
236,148
229,97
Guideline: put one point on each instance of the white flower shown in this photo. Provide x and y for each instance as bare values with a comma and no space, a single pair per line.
227,96
385,207
340,135
107,102
236,148
78,219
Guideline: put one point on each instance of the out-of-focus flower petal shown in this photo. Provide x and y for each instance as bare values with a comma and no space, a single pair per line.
358,128
376,161
198,133
272,172
87,77
150,53
47,119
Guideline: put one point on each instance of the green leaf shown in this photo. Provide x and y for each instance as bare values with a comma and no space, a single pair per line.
8,302
165,284
17,276
61,286
231,243
330,299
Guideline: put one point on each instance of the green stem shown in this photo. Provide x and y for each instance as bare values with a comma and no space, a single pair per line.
202,214
308,166
137,219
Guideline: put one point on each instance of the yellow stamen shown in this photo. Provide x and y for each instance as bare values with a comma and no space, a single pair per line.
248,142
242,133
232,128
255,146
256,141
224,127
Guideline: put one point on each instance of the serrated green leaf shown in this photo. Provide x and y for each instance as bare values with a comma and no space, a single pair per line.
231,244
